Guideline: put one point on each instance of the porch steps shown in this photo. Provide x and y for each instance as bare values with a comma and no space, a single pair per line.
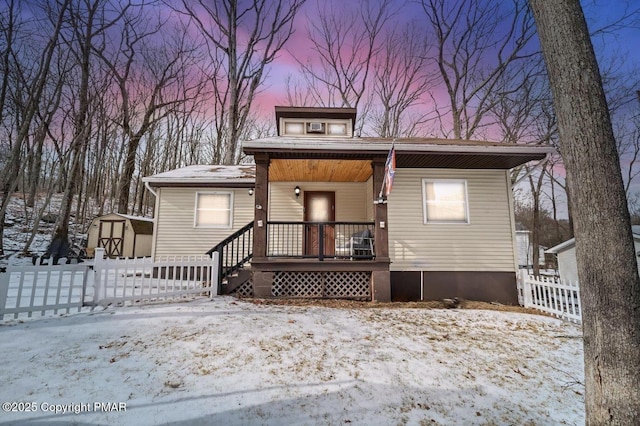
232,282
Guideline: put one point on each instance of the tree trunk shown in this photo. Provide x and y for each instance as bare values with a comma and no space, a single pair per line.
126,177
80,137
607,270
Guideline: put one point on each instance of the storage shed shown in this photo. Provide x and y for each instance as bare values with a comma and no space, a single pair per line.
120,235
566,252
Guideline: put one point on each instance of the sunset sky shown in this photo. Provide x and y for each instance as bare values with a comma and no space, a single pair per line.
623,43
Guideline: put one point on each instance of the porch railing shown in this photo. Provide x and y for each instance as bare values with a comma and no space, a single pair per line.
321,240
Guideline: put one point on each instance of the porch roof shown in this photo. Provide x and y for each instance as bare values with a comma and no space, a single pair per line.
410,152
242,176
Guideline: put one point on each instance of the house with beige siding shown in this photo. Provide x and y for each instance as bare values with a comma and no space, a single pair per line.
318,215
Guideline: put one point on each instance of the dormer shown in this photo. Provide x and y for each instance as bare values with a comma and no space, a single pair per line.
315,122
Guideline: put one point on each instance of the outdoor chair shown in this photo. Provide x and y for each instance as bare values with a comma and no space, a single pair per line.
360,245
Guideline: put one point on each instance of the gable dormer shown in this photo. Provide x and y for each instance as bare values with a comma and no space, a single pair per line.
315,122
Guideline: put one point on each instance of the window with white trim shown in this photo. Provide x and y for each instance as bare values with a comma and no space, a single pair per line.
445,201
213,210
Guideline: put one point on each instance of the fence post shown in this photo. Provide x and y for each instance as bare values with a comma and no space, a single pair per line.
99,288
4,291
526,289
519,287
215,274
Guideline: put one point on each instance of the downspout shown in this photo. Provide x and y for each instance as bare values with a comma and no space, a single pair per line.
146,185
155,223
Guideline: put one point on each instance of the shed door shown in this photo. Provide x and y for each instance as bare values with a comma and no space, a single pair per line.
319,207
111,237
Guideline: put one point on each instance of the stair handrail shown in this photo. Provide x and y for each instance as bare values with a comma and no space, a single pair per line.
226,264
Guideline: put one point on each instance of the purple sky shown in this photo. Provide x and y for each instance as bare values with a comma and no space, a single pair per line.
624,42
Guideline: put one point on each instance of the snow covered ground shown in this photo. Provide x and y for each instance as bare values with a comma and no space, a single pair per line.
20,221
232,362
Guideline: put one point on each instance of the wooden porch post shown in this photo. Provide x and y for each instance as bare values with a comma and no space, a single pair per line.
262,280
380,280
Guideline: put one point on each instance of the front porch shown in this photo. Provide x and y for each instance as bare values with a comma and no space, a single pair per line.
319,260
331,252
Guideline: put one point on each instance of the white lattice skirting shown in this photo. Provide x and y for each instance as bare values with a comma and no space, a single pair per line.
245,290
331,285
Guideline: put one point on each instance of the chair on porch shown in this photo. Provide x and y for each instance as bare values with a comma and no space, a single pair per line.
360,245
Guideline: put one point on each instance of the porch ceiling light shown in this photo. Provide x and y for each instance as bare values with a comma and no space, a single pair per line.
296,191
250,191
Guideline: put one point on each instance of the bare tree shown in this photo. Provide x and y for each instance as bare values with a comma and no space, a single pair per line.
401,79
344,44
88,21
244,37
610,285
34,86
148,68
476,43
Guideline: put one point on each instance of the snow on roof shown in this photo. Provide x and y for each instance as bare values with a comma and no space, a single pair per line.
244,173
562,246
131,217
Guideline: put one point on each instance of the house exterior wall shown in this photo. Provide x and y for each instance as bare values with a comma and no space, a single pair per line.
142,246
351,200
486,243
175,233
525,251
567,265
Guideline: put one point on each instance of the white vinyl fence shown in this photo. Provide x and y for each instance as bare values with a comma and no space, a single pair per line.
550,295
144,280
43,289
46,289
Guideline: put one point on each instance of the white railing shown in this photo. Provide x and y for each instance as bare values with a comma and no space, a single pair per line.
144,280
29,290
43,288
550,295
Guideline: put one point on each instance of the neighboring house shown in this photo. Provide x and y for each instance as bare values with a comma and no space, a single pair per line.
315,225
525,250
566,253
121,235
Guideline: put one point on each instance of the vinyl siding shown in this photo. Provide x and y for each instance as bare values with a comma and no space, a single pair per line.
567,265
350,200
369,201
175,232
486,243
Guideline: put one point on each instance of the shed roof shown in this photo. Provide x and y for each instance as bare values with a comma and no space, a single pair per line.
242,176
140,224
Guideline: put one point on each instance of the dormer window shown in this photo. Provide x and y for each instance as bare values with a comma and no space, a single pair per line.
293,128
338,129
315,121
316,127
